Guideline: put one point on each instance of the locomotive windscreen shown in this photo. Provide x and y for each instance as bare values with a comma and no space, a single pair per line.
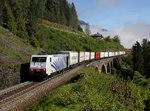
38,59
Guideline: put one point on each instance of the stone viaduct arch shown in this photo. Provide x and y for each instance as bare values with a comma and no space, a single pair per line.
117,63
106,65
103,69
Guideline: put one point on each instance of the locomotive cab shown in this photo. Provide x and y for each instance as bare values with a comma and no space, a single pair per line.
42,66
38,66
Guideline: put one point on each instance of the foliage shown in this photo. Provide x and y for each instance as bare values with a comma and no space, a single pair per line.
116,39
95,91
128,61
141,57
108,38
8,18
137,58
57,40
141,80
34,42
20,16
146,57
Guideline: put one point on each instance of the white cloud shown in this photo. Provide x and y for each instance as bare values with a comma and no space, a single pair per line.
94,29
130,33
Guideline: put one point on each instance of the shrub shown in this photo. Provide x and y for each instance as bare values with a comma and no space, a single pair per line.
140,80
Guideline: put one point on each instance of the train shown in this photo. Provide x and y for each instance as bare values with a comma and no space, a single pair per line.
47,65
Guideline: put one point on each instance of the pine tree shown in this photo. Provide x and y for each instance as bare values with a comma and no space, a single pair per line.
8,18
1,12
63,6
146,56
32,17
40,8
19,18
73,17
137,58
53,10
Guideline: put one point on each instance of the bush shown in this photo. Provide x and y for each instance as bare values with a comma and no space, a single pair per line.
95,91
34,42
140,80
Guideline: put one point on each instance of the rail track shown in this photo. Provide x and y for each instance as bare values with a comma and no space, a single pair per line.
20,97
12,90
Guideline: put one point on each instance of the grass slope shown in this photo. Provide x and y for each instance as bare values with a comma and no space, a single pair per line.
13,52
94,91
13,49
54,39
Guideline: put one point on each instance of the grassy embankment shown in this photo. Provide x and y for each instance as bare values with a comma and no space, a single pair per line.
56,39
94,91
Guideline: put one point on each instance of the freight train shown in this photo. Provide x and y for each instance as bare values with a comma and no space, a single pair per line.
47,65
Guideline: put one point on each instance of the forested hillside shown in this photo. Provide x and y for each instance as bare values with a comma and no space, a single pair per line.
20,16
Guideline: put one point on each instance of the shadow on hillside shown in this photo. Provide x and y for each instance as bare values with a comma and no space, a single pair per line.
24,72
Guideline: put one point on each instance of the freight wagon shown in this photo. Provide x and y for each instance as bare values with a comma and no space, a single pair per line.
97,55
81,57
102,54
92,55
87,56
72,57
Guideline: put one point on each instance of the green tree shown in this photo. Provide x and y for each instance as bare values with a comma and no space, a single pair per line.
137,58
146,56
1,12
108,38
40,8
53,10
19,18
116,39
73,17
8,18
32,17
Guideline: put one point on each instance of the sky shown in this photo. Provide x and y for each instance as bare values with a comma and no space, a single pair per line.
130,19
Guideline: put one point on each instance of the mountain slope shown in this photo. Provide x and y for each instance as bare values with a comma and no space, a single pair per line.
13,52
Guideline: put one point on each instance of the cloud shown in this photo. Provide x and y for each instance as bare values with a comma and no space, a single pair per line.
132,32
94,29
129,33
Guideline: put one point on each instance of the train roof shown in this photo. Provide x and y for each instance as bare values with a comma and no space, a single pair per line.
50,55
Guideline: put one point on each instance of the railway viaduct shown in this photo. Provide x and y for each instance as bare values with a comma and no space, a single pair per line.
107,64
